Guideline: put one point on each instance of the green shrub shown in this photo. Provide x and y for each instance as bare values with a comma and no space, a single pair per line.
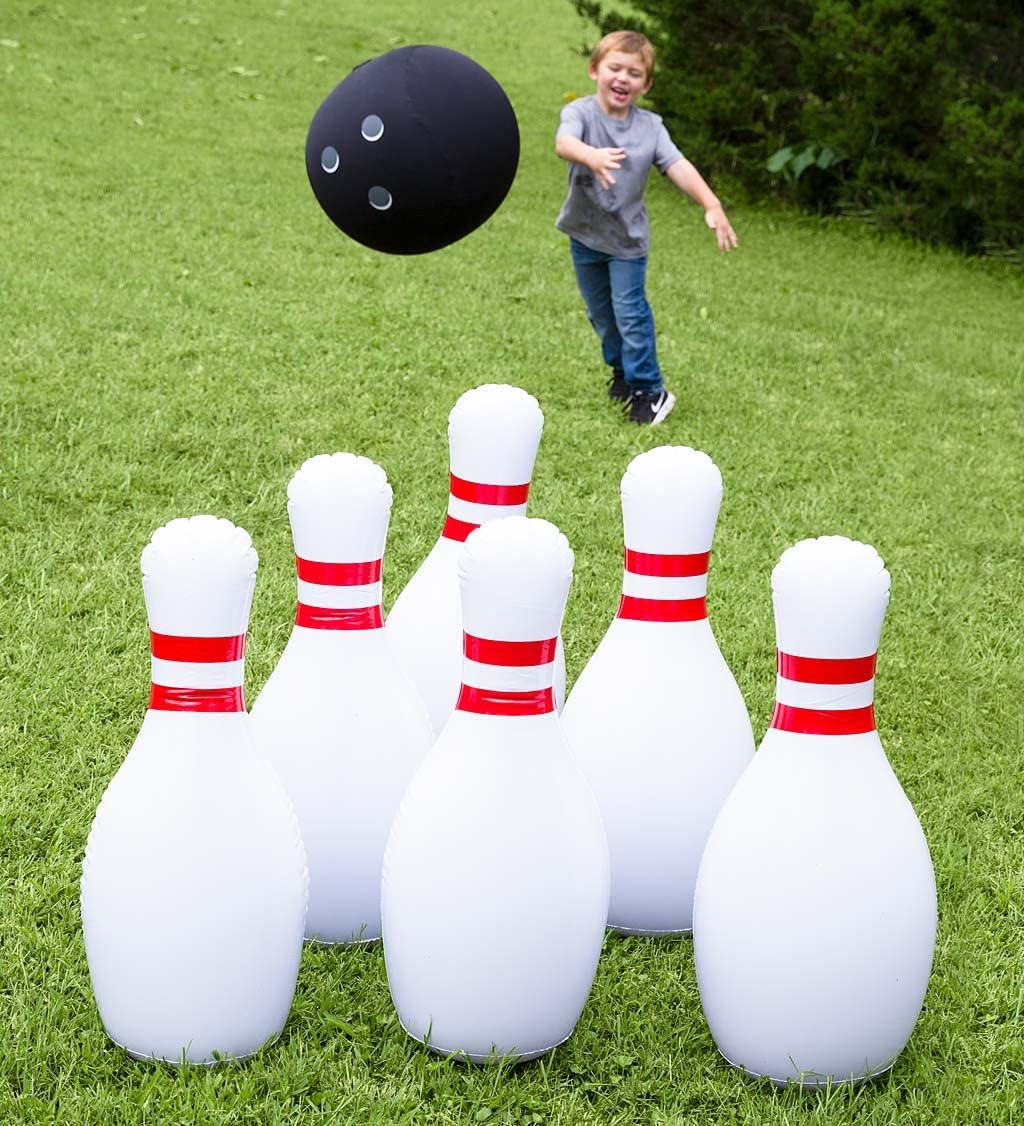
906,113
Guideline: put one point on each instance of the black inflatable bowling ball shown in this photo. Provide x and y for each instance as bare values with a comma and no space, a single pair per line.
413,150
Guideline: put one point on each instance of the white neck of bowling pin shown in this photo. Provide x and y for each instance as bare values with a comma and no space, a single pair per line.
339,506
830,596
514,576
670,501
493,435
198,576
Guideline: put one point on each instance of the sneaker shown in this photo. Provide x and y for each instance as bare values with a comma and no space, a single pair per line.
618,388
651,407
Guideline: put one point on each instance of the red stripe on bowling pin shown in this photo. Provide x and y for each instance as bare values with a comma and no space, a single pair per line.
662,609
824,721
338,574
165,699
472,503
479,493
457,529
487,701
518,676
508,653
658,587
667,566
825,670
359,609
338,617
197,650
197,659
797,709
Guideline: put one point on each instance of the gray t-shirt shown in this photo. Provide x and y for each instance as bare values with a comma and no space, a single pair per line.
613,220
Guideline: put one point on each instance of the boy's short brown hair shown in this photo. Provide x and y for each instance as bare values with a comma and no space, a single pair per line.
631,43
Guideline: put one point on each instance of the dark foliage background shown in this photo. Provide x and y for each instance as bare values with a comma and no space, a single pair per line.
906,113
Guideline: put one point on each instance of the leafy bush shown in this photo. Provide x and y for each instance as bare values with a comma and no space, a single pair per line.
906,113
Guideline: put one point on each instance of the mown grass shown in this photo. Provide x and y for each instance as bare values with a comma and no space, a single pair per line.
182,327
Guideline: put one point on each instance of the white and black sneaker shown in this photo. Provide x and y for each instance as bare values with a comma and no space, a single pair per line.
651,407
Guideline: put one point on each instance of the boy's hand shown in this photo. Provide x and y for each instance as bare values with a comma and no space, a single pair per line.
604,162
717,220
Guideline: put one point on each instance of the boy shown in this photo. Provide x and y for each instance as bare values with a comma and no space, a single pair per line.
611,145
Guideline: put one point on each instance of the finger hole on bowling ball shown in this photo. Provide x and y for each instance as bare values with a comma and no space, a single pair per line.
372,128
329,159
380,198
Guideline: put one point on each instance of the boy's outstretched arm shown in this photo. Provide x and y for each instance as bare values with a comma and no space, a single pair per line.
687,179
602,162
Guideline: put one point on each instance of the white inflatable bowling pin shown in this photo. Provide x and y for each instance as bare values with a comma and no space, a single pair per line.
339,719
656,719
495,890
493,435
814,915
194,881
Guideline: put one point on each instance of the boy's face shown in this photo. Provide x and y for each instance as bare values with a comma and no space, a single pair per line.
621,78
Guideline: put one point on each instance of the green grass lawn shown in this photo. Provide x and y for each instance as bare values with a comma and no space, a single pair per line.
182,327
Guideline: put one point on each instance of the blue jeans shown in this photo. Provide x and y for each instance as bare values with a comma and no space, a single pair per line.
613,292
